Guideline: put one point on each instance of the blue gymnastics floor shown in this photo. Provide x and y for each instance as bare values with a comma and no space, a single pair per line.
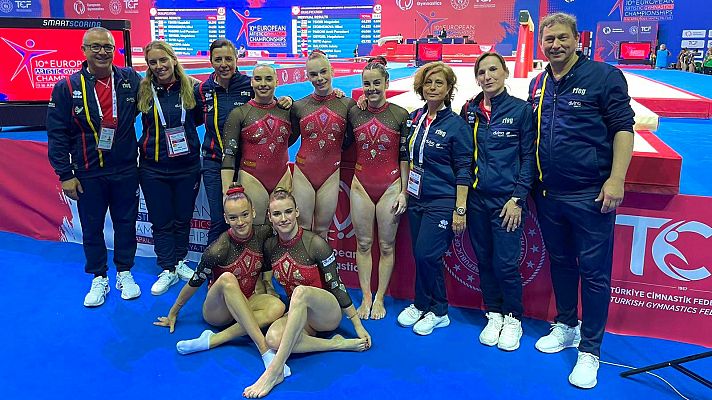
56,348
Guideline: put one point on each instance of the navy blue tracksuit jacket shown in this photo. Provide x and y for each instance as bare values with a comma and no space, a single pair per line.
577,118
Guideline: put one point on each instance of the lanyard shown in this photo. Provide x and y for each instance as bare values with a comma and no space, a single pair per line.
88,117
477,125
215,119
159,110
538,128
422,142
114,107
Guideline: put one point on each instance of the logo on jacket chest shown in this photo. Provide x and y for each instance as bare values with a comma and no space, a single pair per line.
508,120
580,91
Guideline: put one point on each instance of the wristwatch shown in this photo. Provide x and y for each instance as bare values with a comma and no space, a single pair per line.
460,211
519,202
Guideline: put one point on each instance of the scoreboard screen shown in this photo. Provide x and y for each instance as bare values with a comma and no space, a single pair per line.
188,31
336,30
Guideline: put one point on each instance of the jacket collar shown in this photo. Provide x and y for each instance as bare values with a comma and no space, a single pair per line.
582,59
119,74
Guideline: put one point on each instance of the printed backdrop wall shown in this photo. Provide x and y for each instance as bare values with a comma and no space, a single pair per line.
662,283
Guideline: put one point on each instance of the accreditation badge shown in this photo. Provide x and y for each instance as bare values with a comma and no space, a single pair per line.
415,178
177,142
106,138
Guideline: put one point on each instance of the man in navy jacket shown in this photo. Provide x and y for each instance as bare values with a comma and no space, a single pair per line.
92,148
584,144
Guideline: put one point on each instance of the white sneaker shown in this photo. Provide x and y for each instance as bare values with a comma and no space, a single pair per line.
490,335
166,279
183,270
585,372
560,337
511,333
429,322
125,282
97,293
409,316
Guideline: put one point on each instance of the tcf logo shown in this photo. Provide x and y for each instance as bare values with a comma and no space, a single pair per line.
664,245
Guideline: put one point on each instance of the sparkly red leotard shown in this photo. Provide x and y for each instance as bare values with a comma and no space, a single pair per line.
230,254
306,260
322,123
380,136
260,134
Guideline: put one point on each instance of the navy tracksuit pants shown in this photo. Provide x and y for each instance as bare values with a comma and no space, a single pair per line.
497,253
170,201
213,190
118,193
579,239
431,234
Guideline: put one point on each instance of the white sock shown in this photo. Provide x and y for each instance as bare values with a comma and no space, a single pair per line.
267,360
200,343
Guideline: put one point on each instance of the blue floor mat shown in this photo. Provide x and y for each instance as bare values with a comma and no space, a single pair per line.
56,348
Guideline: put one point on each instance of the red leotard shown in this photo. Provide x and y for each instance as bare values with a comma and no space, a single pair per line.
380,139
263,133
306,260
230,254
322,125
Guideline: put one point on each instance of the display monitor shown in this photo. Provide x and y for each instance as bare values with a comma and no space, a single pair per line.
634,52
38,52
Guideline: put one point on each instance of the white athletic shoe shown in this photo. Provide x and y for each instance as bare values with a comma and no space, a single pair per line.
125,282
585,372
429,322
560,337
183,270
490,335
511,333
97,293
409,316
166,279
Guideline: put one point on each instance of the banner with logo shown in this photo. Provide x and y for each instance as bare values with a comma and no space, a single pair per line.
610,34
24,8
136,11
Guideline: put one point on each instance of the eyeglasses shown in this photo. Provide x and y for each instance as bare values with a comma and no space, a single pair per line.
96,48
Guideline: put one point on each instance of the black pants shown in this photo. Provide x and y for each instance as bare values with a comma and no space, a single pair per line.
431,234
580,243
213,190
497,254
117,193
170,201
707,70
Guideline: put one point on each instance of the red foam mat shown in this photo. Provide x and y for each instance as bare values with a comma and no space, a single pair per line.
698,107
657,172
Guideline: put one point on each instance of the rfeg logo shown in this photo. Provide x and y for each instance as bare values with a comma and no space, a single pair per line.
664,245
461,263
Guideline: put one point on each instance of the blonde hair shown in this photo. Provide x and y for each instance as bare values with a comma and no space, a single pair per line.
433,68
145,97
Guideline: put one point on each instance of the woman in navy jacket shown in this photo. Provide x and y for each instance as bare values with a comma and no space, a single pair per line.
440,158
504,172
169,161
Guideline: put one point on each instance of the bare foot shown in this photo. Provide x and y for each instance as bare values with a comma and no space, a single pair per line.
364,309
269,379
379,310
350,344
